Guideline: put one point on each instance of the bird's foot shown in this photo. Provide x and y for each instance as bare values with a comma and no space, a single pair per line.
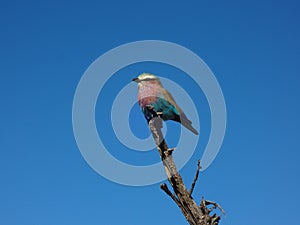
159,114
171,149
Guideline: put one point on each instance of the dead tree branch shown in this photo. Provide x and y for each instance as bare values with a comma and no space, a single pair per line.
165,188
215,205
196,178
194,214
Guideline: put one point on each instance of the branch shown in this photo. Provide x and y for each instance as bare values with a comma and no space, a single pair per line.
194,214
165,188
195,178
215,205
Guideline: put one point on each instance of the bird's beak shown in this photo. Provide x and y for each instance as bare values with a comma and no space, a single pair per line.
135,79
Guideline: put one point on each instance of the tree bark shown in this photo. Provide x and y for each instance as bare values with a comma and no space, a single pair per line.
194,214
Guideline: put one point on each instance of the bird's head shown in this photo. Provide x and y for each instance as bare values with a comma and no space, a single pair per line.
146,78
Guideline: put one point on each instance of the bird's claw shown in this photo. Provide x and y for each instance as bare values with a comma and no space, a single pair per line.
159,114
171,149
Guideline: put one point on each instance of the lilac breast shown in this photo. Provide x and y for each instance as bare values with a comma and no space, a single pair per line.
148,94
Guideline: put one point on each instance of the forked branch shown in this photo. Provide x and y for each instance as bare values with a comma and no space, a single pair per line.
194,214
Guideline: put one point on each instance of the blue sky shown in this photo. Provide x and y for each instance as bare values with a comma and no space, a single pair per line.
253,49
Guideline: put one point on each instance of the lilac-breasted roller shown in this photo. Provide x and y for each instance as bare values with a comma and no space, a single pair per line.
152,94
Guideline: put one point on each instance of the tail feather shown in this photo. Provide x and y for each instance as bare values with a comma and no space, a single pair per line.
190,127
186,123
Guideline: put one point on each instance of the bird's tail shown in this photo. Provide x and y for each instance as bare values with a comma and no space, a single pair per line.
190,127
186,123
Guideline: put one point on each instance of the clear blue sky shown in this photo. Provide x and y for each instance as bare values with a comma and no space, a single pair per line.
45,47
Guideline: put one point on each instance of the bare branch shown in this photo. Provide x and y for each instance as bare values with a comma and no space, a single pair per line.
195,178
215,205
165,188
194,214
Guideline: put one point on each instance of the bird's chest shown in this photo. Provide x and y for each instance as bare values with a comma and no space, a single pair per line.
148,96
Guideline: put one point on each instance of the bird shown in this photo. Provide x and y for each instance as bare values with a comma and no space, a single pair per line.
151,93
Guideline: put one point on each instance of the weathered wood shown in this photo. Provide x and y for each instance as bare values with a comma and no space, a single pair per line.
194,214
196,178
